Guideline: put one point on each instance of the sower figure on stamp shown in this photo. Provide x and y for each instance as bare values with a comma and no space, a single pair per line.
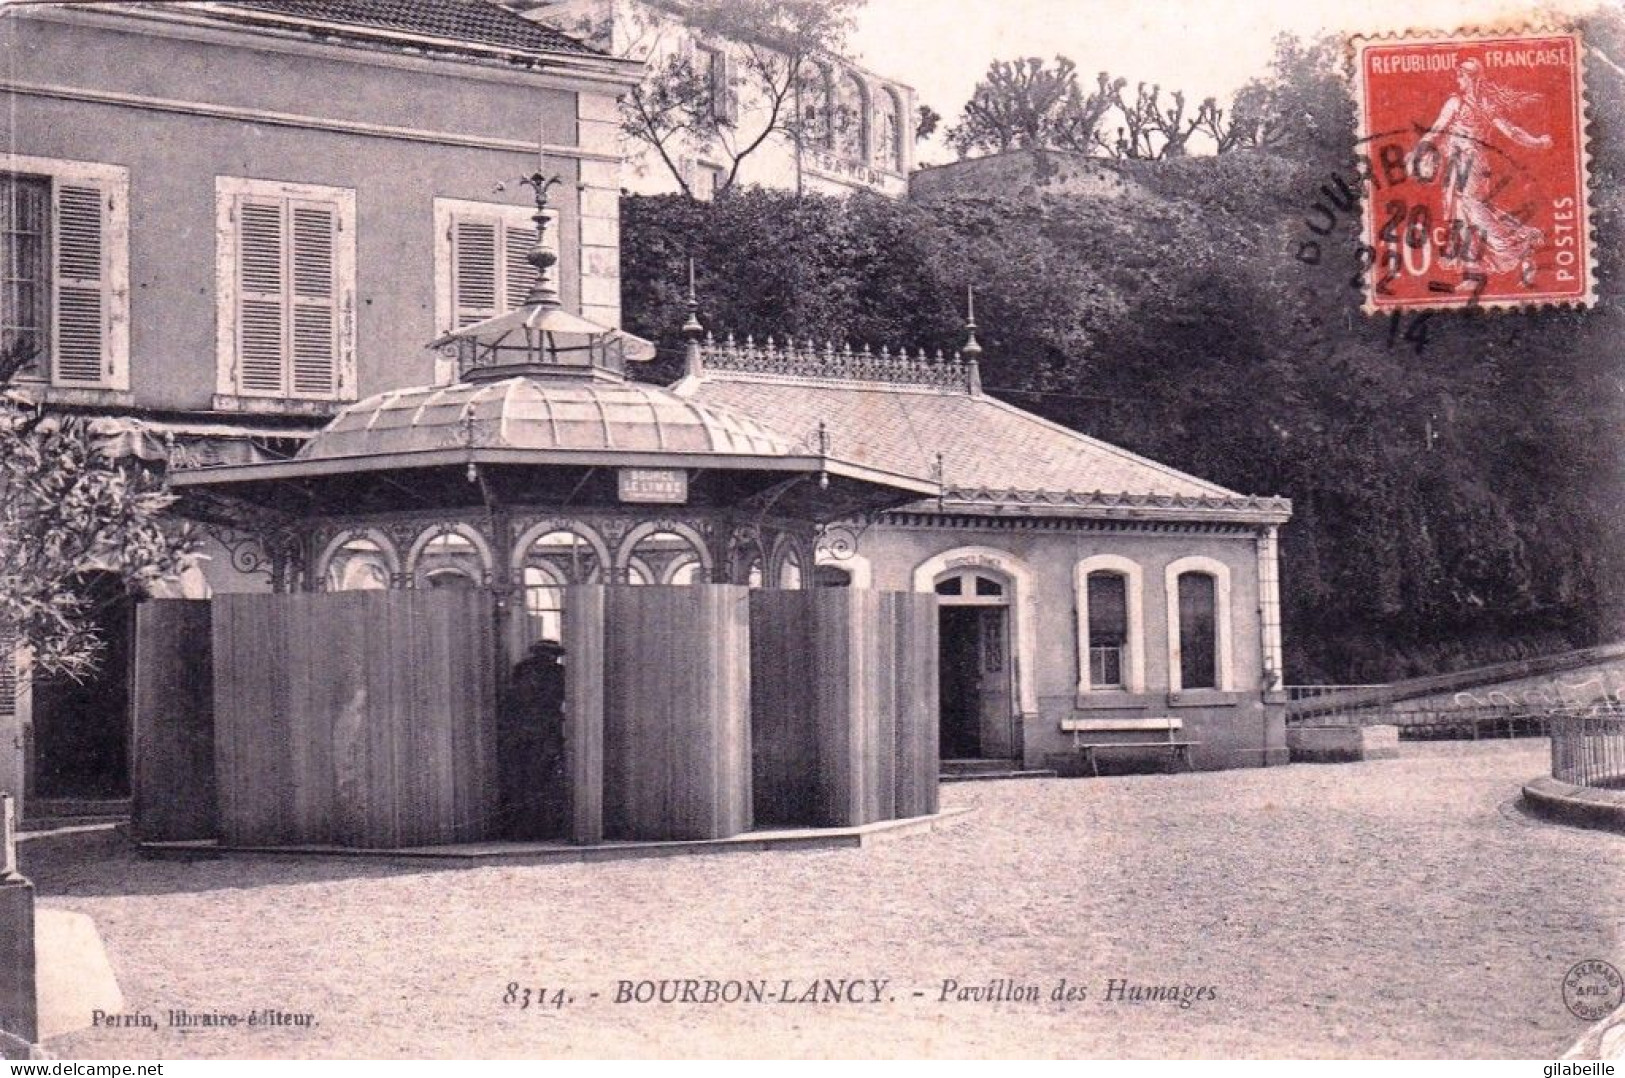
531,745
1482,239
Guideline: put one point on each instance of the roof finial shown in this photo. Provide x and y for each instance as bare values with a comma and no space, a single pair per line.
693,355
971,351
542,293
692,328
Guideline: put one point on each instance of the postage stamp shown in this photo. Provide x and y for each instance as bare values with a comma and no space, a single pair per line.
1477,158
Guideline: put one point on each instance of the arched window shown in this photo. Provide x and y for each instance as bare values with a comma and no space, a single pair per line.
851,118
1198,624
1111,637
817,92
970,584
888,141
1198,635
1108,629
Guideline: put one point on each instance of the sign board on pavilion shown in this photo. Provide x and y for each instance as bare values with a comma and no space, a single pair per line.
659,486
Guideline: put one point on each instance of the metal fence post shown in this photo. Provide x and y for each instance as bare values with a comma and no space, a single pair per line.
8,839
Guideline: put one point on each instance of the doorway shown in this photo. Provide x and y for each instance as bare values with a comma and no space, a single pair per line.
80,742
974,668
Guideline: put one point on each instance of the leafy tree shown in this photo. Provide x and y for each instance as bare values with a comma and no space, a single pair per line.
926,120
66,507
775,47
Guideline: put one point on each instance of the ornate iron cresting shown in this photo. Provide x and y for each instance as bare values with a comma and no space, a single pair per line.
808,360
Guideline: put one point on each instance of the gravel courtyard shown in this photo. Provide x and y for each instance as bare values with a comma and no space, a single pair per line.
1393,908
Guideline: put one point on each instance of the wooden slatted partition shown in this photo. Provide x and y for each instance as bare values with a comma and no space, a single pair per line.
786,756
843,706
676,712
361,719
915,688
584,709
172,700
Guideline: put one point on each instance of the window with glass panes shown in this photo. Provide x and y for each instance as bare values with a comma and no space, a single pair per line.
1108,629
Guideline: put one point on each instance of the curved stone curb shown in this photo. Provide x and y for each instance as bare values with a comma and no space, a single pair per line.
1582,806
1605,1040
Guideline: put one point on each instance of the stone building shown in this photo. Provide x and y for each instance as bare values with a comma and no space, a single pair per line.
859,125
1088,596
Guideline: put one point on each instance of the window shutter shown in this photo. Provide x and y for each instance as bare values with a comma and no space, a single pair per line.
314,299
474,271
8,670
519,273
81,286
261,333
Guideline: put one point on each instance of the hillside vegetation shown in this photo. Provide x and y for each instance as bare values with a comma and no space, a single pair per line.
1457,479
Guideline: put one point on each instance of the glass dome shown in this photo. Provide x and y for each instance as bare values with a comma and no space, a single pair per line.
522,412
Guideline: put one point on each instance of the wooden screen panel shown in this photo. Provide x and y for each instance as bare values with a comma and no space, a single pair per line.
584,709
843,706
363,719
172,699
676,712
915,688
784,674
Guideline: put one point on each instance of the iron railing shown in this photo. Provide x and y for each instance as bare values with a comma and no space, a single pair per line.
1314,692
1588,745
1335,705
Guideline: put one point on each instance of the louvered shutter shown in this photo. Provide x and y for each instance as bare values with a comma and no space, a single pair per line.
475,269
313,299
8,671
261,328
519,273
81,322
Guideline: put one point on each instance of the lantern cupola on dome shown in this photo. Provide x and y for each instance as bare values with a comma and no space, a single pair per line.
540,338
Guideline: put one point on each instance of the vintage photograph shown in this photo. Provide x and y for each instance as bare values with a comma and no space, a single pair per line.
555,529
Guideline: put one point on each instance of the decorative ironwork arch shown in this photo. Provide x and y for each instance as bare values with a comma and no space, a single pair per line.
379,539
582,530
629,542
482,549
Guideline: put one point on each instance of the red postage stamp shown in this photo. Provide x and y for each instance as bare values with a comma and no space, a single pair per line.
1477,194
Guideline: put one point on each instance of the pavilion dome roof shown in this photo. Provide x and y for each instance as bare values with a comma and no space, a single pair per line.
524,412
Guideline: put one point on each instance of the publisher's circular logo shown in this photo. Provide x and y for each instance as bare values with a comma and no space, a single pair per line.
1592,989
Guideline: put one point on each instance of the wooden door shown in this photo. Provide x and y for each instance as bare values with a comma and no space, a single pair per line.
993,669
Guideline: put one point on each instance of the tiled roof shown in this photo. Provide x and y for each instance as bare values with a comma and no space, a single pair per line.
986,444
475,22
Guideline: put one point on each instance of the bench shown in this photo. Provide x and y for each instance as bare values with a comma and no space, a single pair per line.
1178,749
